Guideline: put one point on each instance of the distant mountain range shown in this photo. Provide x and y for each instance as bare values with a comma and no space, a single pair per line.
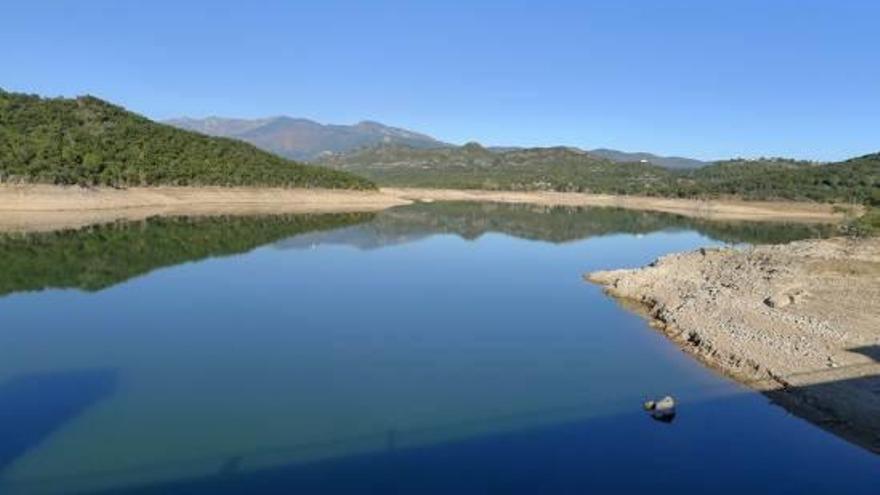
617,156
642,157
306,140
393,156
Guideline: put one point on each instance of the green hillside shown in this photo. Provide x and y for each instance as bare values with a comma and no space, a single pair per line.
474,167
88,141
856,180
567,169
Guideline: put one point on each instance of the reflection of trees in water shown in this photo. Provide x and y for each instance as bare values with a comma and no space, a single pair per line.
562,224
97,257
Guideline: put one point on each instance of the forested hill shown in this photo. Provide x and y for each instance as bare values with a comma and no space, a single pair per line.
88,141
854,180
473,166
567,169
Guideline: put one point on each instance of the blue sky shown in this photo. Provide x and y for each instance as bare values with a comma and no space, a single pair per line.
708,79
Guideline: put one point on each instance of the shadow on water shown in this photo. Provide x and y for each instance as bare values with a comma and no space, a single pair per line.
842,400
871,351
722,445
625,453
34,406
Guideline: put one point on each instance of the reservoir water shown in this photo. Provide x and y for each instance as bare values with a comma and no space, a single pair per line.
433,348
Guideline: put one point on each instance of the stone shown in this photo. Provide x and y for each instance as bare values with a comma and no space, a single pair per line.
665,403
662,410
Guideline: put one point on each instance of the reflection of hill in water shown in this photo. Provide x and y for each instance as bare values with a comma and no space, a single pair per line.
97,257
552,224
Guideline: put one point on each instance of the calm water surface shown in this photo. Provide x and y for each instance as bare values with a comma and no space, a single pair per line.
431,348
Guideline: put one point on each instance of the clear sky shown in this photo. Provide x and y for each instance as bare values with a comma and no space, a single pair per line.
707,78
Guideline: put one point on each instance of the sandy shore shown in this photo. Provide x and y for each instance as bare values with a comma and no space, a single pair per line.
44,207
28,208
799,322
717,210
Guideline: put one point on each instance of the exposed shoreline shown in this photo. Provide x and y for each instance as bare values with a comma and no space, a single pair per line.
722,209
34,208
798,322
37,207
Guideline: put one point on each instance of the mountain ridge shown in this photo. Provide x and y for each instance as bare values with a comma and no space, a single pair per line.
305,139
674,162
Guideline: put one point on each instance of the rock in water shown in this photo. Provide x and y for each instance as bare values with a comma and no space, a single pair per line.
665,403
661,410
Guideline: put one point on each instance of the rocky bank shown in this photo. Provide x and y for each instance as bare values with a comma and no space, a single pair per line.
799,322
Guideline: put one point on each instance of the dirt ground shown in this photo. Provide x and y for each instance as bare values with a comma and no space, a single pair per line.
29,208
715,209
35,207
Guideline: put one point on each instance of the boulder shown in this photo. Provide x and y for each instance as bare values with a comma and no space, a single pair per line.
661,410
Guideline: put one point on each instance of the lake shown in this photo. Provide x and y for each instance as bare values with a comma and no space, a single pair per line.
432,348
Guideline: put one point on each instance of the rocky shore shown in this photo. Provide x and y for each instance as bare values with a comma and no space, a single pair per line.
799,322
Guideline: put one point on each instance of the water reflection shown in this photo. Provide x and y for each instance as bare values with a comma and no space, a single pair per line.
101,256
98,257
339,369
556,224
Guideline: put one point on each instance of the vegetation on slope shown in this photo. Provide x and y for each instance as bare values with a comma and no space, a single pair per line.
87,141
867,224
565,169
100,256
853,181
475,167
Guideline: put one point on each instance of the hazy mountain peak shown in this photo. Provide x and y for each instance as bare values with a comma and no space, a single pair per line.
642,157
370,124
305,139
